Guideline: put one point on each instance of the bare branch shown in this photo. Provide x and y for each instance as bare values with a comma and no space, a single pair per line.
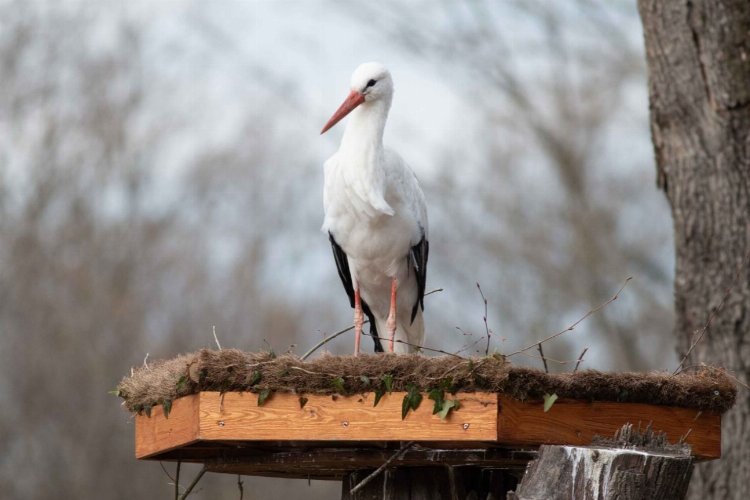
580,358
177,481
582,318
192,484
486,326
544,360
380,469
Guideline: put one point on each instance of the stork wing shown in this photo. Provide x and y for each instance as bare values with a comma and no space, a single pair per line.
419,254
342,265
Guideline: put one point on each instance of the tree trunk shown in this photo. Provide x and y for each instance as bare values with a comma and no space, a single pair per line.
588,473
698,54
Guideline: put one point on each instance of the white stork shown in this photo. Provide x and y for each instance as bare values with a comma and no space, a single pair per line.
376,218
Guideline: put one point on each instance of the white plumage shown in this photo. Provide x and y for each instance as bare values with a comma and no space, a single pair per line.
375,214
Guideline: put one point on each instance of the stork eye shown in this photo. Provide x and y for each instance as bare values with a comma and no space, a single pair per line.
371,83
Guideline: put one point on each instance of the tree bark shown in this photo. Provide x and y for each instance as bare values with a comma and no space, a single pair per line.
698,54
588,473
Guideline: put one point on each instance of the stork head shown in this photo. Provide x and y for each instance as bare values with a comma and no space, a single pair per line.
370,82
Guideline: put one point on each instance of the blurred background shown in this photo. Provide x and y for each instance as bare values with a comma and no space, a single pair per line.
161,175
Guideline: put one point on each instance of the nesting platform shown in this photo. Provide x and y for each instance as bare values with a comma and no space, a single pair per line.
318,419
330,437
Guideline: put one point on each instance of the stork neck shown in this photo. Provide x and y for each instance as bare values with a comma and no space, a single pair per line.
364,130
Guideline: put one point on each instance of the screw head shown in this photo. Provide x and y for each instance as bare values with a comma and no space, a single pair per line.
466,426
221,423
345,423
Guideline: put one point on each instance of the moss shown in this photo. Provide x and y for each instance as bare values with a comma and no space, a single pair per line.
233,370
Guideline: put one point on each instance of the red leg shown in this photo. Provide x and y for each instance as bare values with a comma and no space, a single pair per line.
391,323
358,320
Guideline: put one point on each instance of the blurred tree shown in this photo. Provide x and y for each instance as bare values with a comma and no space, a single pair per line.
104,258
698,55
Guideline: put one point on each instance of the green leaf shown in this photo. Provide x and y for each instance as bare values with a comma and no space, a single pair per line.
388,382
365,379
448,405
263,395
437,395
411,400
549,400
255,378
302,402
167,407
338,384
147,410
181,382
379,392
115,392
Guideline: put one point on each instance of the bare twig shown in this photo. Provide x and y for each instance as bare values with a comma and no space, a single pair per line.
216,338
423,347
177,481
239,486
580,358
161,464
549,360
328,339
341,332
486,326
577,322
192,485
145,362
544,360
380,469
743,384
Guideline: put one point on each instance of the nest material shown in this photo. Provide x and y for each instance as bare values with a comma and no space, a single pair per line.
161,382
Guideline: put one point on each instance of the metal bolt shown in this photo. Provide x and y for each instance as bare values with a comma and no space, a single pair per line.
345,423
466,426
221,423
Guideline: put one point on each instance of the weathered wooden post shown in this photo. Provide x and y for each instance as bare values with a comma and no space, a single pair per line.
633,466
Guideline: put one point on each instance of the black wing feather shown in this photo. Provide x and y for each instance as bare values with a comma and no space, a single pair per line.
419,254
342,265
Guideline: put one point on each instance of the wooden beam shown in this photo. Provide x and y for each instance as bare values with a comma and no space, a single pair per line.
573,422
236,416
336,462
484,420
159,434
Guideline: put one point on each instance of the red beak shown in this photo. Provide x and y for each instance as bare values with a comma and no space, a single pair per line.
352,101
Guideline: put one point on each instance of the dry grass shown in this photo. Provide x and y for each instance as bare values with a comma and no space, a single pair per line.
233,370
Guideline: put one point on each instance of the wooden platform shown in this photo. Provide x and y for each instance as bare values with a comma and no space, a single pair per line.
333,435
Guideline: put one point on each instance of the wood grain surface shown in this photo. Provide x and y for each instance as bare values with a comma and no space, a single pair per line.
495,420
573,422
237,416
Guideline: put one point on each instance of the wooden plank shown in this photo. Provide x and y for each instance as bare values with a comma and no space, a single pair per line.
236,416
484,420
157,434
335,462
572,422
